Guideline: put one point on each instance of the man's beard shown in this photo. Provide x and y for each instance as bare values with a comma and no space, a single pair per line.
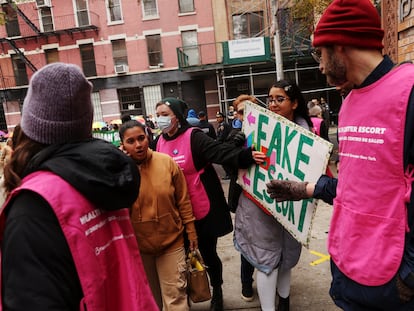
335,71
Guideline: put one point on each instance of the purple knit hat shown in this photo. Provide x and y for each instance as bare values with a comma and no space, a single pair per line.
57,108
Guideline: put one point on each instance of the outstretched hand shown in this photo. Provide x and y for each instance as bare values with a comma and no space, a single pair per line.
287,190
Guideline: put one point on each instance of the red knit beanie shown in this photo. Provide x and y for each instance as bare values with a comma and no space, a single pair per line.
350,22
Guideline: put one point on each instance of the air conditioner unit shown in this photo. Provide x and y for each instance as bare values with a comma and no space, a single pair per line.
121,68
43,3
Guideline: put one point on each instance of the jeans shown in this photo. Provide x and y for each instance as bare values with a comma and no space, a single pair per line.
352,296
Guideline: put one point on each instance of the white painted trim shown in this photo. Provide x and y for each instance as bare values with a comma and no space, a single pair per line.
151,32
50,46
117,37
110,102
112,115
84,41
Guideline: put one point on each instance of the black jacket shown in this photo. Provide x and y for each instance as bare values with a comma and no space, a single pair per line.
206,151
38,269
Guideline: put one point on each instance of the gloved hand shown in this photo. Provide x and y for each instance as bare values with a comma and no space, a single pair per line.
239,139
287,190
406,293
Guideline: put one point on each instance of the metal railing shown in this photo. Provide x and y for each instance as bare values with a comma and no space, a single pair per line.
69,22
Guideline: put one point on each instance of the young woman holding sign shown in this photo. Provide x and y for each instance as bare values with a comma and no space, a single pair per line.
259,237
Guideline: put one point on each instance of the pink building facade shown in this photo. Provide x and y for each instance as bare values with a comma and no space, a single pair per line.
127,49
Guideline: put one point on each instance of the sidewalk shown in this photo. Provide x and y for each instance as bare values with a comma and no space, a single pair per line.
310,278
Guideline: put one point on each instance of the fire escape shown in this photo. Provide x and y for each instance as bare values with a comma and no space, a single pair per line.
40,28
22,29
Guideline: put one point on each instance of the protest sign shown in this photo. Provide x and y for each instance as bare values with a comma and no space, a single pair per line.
293,153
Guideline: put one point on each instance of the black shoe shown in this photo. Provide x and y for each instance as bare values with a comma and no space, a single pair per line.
283,304
217,300
247,292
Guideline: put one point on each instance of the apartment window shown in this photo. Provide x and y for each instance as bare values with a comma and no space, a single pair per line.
247,25
154,50
150,8
19,68
114,10
88,59
130,101
46,18
11,21
186,6
119,52
52,56
82,13
190,47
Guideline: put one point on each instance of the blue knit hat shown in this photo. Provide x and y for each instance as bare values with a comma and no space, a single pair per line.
57,108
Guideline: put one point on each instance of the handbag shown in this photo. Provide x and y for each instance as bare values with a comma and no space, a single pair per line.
198,287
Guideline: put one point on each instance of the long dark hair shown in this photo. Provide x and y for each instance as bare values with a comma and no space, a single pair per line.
294,93
24,149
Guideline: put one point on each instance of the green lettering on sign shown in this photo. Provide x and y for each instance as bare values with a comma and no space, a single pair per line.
301,157
261,136
276,143
303,213
288,140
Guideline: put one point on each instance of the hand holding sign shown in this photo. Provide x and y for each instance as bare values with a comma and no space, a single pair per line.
287,155
287,190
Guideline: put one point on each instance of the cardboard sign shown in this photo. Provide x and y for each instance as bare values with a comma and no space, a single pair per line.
293,153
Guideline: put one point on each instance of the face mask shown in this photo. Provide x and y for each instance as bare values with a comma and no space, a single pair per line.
164,123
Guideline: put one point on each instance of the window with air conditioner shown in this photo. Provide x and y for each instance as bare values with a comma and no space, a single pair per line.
43,3
119,54
121,68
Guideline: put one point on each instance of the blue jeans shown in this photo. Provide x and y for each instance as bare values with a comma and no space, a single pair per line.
351,296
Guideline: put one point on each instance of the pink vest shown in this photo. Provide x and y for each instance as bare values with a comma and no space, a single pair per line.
180,150
103,246
366,237
316,125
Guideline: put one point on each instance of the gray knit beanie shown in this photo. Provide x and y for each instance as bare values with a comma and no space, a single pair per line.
57,108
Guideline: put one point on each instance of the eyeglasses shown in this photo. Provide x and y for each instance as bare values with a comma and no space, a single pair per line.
317,55
278,99
240,111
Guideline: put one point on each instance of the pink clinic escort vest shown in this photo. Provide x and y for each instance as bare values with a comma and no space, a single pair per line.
367,231
180,150
103,246
316,125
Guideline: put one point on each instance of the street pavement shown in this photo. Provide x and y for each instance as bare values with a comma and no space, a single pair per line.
311,277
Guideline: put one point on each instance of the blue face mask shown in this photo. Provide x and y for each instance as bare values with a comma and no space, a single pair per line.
164,123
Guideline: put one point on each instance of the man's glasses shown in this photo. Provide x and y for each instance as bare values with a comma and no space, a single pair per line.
317,55
277,99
